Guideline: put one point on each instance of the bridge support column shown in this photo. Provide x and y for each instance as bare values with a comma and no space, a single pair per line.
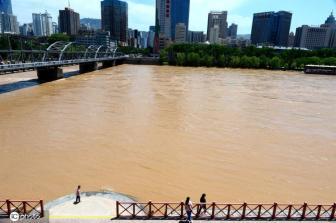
88,67
49,73
119,62
107,64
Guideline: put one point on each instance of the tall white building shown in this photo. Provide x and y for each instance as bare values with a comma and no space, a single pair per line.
315,37
180,33
214,34
8,24
163,17
42,24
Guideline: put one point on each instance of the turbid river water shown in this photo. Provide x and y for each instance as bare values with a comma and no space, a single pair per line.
162,133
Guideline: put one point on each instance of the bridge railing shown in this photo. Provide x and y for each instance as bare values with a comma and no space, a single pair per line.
220,211
21,207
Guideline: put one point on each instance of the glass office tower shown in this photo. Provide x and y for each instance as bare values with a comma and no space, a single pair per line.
114,15
6,7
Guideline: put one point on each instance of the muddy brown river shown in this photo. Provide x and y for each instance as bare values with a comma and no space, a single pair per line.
162,133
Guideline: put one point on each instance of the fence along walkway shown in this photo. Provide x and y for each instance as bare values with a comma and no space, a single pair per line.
217,211
21,207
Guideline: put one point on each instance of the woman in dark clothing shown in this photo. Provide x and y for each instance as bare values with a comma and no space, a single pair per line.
202,205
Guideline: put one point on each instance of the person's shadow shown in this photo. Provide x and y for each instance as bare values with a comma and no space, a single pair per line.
75,203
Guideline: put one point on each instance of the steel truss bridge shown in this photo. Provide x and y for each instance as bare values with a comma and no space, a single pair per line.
60,54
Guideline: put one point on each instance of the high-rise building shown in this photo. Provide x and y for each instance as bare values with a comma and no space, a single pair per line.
180,33
331,23
232,31
214,34
312,37
6,7
143,39
152,28
195,37
114,15
219,20
179,14
55,27
291,39
8,21
68,21
150,40
9,24
271,28
163,19
315,37
26,29
42,24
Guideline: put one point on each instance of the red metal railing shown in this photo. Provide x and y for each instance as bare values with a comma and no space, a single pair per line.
21,207
217,211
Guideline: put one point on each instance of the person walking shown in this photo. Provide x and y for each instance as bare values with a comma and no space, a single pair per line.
78,198
188,207
202,205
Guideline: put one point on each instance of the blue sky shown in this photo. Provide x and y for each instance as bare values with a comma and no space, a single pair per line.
141,12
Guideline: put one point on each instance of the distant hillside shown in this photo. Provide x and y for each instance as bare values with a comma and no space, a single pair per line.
92,23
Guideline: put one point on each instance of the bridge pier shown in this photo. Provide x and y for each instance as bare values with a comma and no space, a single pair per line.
49,73
107,64
119,62
88,67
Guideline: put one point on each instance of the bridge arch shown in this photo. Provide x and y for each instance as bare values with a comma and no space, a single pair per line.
62,50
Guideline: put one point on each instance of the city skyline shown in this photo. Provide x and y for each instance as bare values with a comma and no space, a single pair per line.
142,12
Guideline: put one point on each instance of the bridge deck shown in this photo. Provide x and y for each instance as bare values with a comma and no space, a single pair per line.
28,66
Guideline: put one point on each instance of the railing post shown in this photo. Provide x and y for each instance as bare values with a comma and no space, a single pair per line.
332,216
319,207
213,210
228,213
304,208
244,211
289,215
150,209
133,215
24,207
182,206
259,212
117,206
42,209
8,207
166,211
274,210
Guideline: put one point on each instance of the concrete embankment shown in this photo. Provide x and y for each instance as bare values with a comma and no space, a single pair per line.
142,61
93,205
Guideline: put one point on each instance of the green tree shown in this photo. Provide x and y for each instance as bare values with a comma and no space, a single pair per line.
329,61
193,59
221,61
180,59
245,62
275,63
207,61
163,56
234,61
58,37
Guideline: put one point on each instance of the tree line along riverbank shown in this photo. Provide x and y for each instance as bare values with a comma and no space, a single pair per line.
195,55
